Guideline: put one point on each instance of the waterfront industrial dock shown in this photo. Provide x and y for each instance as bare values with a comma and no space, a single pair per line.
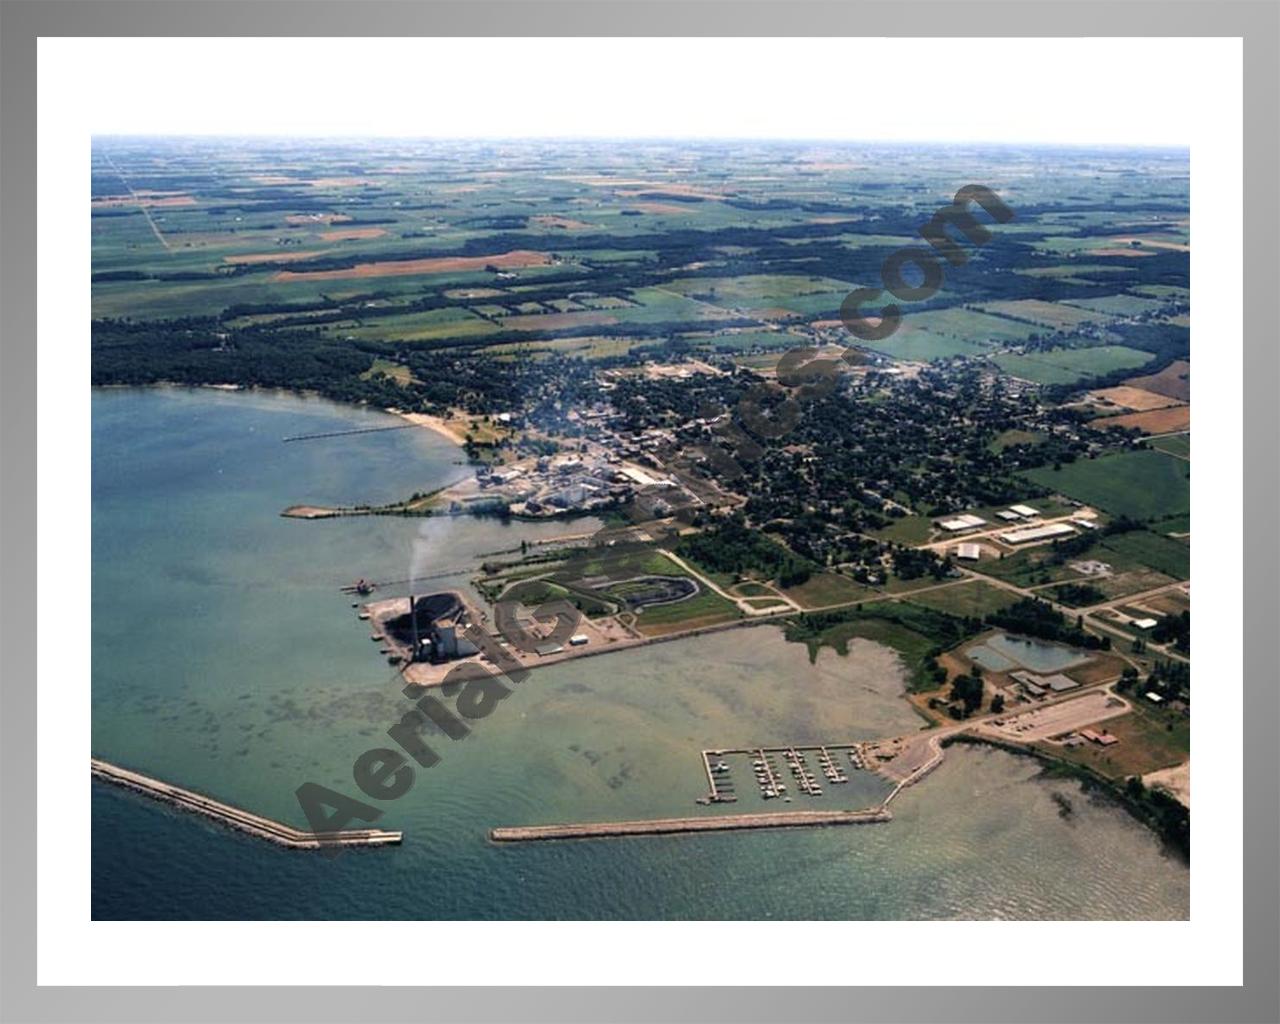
234,817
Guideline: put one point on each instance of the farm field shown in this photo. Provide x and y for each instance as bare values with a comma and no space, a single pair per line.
1154,421
1068,365
1178,445
1133,399
1140,484
1174,381
1055,315
1119,305
1162,553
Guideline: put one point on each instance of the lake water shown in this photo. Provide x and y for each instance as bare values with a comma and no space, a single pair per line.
1003,652
226,658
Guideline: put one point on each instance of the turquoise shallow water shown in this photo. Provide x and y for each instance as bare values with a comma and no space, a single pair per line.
225,658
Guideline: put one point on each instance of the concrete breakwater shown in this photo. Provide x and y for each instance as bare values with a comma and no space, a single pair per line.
670,826
234,817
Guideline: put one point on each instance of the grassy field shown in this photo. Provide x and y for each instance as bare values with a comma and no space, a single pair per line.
1009,438
1055,315
974,598
1068,365
400,374
1140,484
827,588
1028,568
707,608
907,530
1119,305
1159,552
1176,444
1173,524
1150,739
921,346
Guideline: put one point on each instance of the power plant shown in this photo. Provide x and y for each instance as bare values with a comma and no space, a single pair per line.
433,628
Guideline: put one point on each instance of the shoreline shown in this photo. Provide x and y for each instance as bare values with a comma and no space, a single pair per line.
437,424
1088,778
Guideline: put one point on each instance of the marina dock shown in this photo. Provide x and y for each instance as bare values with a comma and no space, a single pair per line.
234,817
673,826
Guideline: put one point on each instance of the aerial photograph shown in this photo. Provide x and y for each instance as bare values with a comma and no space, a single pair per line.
639,529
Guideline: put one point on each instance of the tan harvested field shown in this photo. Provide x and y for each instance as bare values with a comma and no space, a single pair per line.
1154,421
515,259
1174,381
352,234
1135,399
557,321
284,256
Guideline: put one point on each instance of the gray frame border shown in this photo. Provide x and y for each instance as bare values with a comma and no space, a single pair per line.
1256,21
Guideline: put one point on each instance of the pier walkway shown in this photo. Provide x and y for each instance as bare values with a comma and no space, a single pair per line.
234,817
670,826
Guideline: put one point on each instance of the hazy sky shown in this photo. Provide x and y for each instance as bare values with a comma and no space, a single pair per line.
1112,92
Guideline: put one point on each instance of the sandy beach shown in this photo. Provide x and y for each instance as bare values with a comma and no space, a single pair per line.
453,431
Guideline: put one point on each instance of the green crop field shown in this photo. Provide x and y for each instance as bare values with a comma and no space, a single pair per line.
921,346
1068,365
1140,484
1160,552
1175,444
1056,315
1119,305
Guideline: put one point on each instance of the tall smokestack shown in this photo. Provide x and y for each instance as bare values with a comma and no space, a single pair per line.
413,624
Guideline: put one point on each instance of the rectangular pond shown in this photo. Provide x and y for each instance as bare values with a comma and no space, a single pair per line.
1004,652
